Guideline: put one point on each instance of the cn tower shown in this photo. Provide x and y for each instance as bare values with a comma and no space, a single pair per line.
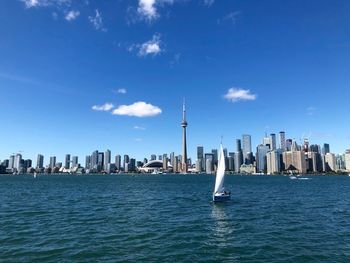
184,143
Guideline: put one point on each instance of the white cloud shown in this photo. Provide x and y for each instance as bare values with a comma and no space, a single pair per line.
138,109
147,9
230,18
236,94
40,3
105,107
139,128
72,15
96,21
151,47
121,91
209,2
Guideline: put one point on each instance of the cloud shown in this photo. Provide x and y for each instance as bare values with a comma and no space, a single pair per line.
121,91
209,2
105,107
139,128
72,15
147,9
41,3
151,47
138,109
237,94
230,18
96,21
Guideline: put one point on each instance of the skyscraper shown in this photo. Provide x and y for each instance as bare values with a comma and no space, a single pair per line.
118,162
18,160
74,161
325,148
88,162
40,161
247,147
67,161
273,141
200,152
184,143
238,156
282,141
52,162
107,159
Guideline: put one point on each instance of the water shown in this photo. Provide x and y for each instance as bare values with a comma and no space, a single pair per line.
170,218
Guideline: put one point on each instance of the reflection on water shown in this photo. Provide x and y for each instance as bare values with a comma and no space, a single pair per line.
223,226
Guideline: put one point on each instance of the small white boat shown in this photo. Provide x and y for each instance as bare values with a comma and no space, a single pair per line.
219,194
34,175
293,177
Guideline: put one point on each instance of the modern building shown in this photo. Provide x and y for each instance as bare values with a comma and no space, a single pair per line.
118,162
107,159
282,137
40,161
75,162
273,162
88,162
52,162
261,162
347,160
67,161
294,161
273,142
325,148
246,148
331,163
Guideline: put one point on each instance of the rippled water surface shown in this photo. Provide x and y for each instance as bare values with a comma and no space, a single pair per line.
170,218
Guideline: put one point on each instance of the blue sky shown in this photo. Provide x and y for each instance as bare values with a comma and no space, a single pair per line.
283,65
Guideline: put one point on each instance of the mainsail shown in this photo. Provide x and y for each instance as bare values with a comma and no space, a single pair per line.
220,173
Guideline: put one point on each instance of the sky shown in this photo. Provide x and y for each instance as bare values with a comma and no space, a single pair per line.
76,76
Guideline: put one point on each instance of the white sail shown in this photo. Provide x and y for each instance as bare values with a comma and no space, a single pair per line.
220,173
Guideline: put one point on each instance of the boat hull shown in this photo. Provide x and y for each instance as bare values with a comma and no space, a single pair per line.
221,198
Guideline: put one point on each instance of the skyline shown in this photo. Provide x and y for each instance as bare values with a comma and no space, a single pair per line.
62,61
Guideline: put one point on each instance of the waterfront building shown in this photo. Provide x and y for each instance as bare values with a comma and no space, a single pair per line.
40,161
153,157
294,161
208,166
165,163
200,152
100,161
11,162
282,143
108,155
199,165
261,162
347,160
126,161
273,162
231,162
52,162
118,162
67,161
330,162
132,165
94,160
88,162
325,149
18,160
289,143
172,156
75,162
246,148
184,142
273,142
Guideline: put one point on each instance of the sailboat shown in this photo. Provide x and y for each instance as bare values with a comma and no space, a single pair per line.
219,194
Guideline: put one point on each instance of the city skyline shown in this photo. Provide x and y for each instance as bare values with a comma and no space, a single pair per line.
112,75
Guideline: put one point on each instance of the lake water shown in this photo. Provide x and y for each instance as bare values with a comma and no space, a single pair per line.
170,218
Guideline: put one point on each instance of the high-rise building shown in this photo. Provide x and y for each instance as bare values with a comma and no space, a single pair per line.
215,157
67,161
100,161
172,156
247,147
331,164
107,159
184,142
282,137
11,162
118,162
261,162
294,161
88,162
132,165
273,142
273,162
199,165
75,162
52,162
200,152
94,160
326,149
289,143
18,161
40,161
347,160
231,161
208,166
126,160
238,156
